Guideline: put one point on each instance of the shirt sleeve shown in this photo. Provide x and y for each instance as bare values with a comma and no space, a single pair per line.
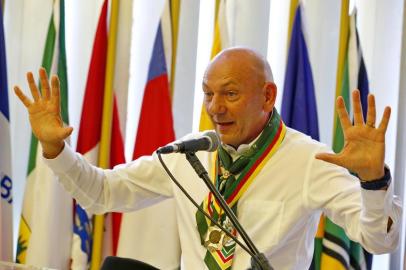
126,187
363,214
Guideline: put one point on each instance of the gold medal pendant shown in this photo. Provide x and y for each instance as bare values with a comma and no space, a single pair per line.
214,239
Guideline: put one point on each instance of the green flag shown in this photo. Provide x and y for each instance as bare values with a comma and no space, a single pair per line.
46,220
338,251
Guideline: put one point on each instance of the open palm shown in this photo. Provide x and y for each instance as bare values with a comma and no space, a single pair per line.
45,112
364,144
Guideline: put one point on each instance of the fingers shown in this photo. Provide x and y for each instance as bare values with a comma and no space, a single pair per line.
24,99
356,104
34,90
55,94
385,119
343,114
371,115
45,90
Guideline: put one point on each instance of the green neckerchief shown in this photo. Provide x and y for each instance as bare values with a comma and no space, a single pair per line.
229,169
228,184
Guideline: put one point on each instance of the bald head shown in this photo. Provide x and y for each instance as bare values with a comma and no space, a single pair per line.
239,94
250,61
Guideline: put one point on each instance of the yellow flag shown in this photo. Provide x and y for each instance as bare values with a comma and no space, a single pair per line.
219,43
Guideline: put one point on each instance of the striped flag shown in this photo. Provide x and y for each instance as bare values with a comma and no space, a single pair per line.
339,252
6,183
152,133
45,227
159,245
299,109
220,42
121,82
89,139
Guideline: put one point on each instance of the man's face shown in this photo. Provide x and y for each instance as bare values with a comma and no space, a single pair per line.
234,97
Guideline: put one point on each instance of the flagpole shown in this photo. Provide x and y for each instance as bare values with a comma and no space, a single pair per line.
292,11
175,10
342,50
105,129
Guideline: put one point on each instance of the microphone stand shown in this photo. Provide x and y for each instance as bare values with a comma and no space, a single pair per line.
259,262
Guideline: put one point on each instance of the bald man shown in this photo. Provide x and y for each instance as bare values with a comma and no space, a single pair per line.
275,179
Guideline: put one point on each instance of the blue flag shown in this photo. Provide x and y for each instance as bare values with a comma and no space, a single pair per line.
363,84
299,102
6,184
4,109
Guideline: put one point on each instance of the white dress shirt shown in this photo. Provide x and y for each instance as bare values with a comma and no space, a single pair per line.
280,210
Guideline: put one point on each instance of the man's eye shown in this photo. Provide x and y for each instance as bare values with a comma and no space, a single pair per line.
231,95
208,95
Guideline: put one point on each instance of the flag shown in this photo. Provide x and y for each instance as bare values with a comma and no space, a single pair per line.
159,245
45,227
339,252
121,82
152,133
89,140
299,109
113,224
102,227
6,183
220,42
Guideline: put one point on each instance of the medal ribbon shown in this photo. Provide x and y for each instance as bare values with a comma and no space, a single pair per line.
220,248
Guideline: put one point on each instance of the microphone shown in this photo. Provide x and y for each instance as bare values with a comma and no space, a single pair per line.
208,141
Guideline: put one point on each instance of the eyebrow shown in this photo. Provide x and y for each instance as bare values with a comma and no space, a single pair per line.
222,85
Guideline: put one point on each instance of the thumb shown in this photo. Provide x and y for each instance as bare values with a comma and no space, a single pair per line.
66,132
330,158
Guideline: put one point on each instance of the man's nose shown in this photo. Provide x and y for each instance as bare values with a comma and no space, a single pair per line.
216,105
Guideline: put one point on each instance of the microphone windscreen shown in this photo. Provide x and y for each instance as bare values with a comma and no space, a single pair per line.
214,140
117,263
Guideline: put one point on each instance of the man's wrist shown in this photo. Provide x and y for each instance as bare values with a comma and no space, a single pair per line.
378,184
50,151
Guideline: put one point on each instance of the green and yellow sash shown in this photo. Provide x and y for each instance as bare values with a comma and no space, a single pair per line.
220,248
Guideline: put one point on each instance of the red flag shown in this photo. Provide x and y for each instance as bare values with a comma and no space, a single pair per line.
116,157
90,134
155,126
160,245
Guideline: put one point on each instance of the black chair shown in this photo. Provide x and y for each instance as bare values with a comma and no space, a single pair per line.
117,263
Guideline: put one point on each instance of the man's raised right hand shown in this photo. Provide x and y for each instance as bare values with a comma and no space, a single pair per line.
45,113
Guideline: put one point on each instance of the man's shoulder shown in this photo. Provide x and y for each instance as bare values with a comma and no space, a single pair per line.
302,142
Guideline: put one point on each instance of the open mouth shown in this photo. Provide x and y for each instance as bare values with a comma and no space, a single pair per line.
224,125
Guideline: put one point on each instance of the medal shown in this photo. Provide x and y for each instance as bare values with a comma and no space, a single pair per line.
214,239
226,174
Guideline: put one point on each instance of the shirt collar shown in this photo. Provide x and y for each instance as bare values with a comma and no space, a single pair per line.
242,148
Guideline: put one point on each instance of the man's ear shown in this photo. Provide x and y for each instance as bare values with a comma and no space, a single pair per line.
270,92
